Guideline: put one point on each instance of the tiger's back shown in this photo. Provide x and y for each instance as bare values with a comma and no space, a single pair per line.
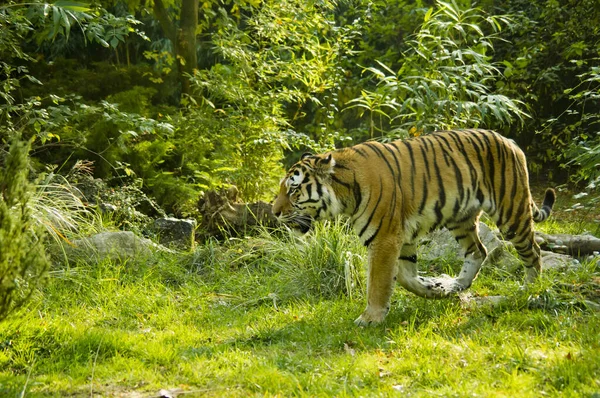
395,192
432,181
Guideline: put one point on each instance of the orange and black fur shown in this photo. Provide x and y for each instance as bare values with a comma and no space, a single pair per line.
396,192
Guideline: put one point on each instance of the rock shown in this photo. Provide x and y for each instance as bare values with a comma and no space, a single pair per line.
115,245
441,243
575,245
438,244
551,260
501,257
467,300
489,237
175,232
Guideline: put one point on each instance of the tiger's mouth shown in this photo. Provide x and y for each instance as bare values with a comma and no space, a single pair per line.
298,222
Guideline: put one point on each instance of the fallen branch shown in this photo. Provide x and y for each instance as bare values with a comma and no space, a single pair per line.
574,245
223,212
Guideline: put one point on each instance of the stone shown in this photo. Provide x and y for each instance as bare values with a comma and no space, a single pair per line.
175,232
114,245
551,260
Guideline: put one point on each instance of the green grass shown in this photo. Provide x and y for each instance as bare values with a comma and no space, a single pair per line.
273,316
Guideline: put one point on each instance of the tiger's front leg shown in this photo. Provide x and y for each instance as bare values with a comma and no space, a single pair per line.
381,277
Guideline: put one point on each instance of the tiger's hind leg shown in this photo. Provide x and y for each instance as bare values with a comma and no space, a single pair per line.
467,236
427,287
520,233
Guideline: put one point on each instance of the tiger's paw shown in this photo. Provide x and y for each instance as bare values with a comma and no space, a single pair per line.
372,316
442,286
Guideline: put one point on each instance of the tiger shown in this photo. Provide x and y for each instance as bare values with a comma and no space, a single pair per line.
394,193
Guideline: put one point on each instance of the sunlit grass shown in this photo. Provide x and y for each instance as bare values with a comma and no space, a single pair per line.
251,317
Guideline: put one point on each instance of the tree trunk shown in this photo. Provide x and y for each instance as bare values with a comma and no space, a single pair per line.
183,39
187,43
574,245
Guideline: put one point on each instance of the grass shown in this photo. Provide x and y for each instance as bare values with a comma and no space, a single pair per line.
273,316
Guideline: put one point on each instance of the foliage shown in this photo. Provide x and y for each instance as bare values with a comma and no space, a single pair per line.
275,66
584,152
550,44
23,260
444,80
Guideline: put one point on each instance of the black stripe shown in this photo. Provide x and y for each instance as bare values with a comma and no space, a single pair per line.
341,166
374,147
425,161
506,214
368,241
412,171
308,188
412,259
362,231
479,150
442,193
308,201
340,182
357,195
360,152
424,199
457,172
491,162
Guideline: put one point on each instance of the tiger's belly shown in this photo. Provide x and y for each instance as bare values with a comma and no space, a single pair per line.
418,225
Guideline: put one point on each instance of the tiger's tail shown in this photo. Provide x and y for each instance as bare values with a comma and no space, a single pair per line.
543,213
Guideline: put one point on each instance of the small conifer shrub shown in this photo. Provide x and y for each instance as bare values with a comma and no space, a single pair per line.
23,259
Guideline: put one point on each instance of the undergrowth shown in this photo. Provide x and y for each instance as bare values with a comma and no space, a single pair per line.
273,316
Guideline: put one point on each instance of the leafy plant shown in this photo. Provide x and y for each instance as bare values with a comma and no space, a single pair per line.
549,45
445,78
23,261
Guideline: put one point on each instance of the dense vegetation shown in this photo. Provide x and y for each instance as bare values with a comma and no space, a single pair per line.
172,98
116,85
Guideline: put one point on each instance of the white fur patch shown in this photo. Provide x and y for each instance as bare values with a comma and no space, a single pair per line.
295,179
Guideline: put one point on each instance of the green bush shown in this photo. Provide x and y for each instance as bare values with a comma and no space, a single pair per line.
546,50
445,78
23,260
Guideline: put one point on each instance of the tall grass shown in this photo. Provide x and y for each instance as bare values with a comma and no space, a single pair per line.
326,263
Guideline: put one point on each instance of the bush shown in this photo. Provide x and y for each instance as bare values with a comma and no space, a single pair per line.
445,79
23,260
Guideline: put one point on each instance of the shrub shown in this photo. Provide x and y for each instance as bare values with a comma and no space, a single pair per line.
23,260
445,79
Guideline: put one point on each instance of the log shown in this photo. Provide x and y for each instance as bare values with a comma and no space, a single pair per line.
223,213
573,245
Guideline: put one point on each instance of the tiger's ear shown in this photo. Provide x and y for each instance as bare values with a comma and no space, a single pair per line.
325,165
306,155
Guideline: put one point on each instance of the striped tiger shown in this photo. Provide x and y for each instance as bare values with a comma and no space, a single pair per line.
394,193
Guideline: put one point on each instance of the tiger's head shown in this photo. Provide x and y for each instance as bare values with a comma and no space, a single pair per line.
305,192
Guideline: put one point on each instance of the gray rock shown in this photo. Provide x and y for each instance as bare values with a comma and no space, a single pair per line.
489,237
115,245
501,257
467,300
175,232
551,260
441,243
438,244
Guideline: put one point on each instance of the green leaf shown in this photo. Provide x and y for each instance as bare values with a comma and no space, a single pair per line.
428,15
72,6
